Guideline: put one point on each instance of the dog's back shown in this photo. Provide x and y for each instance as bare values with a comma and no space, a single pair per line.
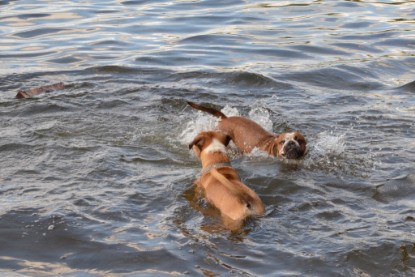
245,133
220,182
232,197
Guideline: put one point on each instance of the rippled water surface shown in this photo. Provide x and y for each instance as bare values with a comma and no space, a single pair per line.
97,179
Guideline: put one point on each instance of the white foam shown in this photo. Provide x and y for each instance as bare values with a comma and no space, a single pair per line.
260,115
230,111
203,122
329,144
200,123
256,152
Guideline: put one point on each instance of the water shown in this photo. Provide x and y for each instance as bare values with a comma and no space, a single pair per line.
97,179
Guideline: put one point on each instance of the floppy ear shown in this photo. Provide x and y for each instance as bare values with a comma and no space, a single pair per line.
278,139
227,140
275,151
275,147
198,141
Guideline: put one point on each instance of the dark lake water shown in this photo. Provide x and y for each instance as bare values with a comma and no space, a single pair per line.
97,179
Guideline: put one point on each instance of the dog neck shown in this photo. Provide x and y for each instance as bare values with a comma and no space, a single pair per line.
267,144
211,158
214,166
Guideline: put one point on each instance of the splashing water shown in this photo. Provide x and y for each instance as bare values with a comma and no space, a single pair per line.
202,122
329,145
329,153
230,111
261,116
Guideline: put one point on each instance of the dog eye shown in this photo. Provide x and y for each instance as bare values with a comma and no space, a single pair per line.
282,142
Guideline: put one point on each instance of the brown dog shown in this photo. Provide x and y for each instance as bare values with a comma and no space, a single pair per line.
220,182
246,134
38,90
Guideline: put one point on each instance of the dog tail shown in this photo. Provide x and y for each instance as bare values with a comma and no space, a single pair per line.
212,111
252,202
229,185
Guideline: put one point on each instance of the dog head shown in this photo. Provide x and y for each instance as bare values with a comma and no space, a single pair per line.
209,142
290,145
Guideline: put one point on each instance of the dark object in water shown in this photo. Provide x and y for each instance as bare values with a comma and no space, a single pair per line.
35,91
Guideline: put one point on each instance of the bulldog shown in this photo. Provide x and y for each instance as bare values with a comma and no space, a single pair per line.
247,135
221,184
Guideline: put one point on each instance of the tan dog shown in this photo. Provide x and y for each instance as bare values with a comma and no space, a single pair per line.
220,182
35,91
246,134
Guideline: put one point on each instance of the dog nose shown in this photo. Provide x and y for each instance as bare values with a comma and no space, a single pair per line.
292,150
291,144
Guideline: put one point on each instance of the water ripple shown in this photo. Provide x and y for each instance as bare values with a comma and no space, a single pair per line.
97,179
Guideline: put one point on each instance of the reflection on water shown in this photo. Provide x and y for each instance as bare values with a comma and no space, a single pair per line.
97,179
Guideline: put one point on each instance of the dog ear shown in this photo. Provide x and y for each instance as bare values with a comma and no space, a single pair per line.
278,139
275,147
227,140
198,141
275,151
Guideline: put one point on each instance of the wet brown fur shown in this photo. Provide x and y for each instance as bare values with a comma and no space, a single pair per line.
38,90
223,187
247,135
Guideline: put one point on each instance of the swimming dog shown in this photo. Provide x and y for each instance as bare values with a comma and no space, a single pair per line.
38,90
221,184
247,135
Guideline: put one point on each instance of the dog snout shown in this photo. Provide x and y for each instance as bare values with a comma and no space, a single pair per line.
292,150
290,145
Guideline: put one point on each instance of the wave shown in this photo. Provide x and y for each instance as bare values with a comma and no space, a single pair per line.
408,87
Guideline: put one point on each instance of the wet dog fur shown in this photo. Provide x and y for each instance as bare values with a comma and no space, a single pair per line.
247,135
222,186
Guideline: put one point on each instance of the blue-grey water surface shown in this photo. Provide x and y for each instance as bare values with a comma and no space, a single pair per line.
97,179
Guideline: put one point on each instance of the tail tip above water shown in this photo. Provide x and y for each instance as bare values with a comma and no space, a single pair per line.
212,111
